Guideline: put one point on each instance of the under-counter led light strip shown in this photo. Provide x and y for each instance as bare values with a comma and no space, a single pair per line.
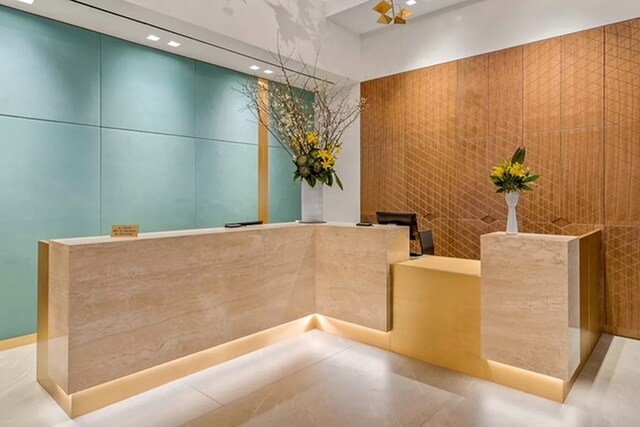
27,1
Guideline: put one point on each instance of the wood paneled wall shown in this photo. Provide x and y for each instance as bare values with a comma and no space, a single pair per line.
430,137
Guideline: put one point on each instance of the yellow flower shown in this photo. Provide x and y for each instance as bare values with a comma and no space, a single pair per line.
517,170
295,143
328,159
312,138
497,171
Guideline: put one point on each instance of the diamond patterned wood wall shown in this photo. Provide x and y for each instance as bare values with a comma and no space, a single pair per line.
430,137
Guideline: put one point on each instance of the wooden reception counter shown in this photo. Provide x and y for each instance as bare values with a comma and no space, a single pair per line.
111,309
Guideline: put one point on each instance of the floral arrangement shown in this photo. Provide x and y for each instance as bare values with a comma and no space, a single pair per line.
308,117
512,175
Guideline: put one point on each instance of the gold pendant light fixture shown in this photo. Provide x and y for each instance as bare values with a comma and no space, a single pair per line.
389,13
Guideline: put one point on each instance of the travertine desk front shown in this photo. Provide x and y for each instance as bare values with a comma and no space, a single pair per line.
116,307
533,294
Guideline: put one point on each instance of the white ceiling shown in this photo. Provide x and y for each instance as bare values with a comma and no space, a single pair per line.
128,23
359,17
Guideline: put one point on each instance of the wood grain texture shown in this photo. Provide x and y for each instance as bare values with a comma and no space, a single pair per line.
542,85
573,101
506,93
473,97
583,79
622,74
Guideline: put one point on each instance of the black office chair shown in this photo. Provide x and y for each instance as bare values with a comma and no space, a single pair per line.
426,242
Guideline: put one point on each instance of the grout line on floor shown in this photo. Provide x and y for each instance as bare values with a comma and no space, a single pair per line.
206,395
288,375
441,407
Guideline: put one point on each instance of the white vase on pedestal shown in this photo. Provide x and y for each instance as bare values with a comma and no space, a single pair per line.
512,219
312,202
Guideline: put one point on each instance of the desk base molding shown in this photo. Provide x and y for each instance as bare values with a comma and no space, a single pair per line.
17,342
98,397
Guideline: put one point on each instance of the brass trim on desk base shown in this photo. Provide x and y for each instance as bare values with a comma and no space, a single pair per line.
10,343
509,376
354,332
94,398
98,397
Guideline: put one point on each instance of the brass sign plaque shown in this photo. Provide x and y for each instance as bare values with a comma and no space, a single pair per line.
125,230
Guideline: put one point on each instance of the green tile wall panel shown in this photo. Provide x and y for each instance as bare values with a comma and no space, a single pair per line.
226,183
146,89
48,70
220,107
284,193
147,179
50,176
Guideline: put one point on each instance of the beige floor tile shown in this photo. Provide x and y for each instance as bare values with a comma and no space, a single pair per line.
321,380
23,402
609,384
239,377
167,406
348,389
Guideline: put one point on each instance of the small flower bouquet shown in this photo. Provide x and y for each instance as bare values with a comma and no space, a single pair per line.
314,160
512,175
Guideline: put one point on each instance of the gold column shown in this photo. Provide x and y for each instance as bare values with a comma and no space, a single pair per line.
263,152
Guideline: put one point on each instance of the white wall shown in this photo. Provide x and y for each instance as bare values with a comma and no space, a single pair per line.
344,206
483,26
299,25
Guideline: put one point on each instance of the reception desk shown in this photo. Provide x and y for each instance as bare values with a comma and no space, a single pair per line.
526,316
117,317
112,308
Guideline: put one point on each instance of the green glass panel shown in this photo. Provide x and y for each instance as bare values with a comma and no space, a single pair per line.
284,193
50,175
220,107
147,179
226,182
146,89
48,70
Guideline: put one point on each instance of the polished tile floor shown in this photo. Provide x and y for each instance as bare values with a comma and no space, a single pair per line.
321,380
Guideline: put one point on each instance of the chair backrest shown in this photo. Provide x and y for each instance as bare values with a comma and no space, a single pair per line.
426,242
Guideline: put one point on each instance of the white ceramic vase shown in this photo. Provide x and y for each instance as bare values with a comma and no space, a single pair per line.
312,202
512,219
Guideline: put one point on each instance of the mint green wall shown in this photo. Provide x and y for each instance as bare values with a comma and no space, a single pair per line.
284,193
147,179
48,70
146,89
96,131
226,183
49,187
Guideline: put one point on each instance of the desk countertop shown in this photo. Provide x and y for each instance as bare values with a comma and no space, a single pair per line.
181,233
469,267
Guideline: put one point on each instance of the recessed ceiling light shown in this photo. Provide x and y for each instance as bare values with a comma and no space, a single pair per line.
173,44
254,67
268,72
153,38
27,1
411,2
